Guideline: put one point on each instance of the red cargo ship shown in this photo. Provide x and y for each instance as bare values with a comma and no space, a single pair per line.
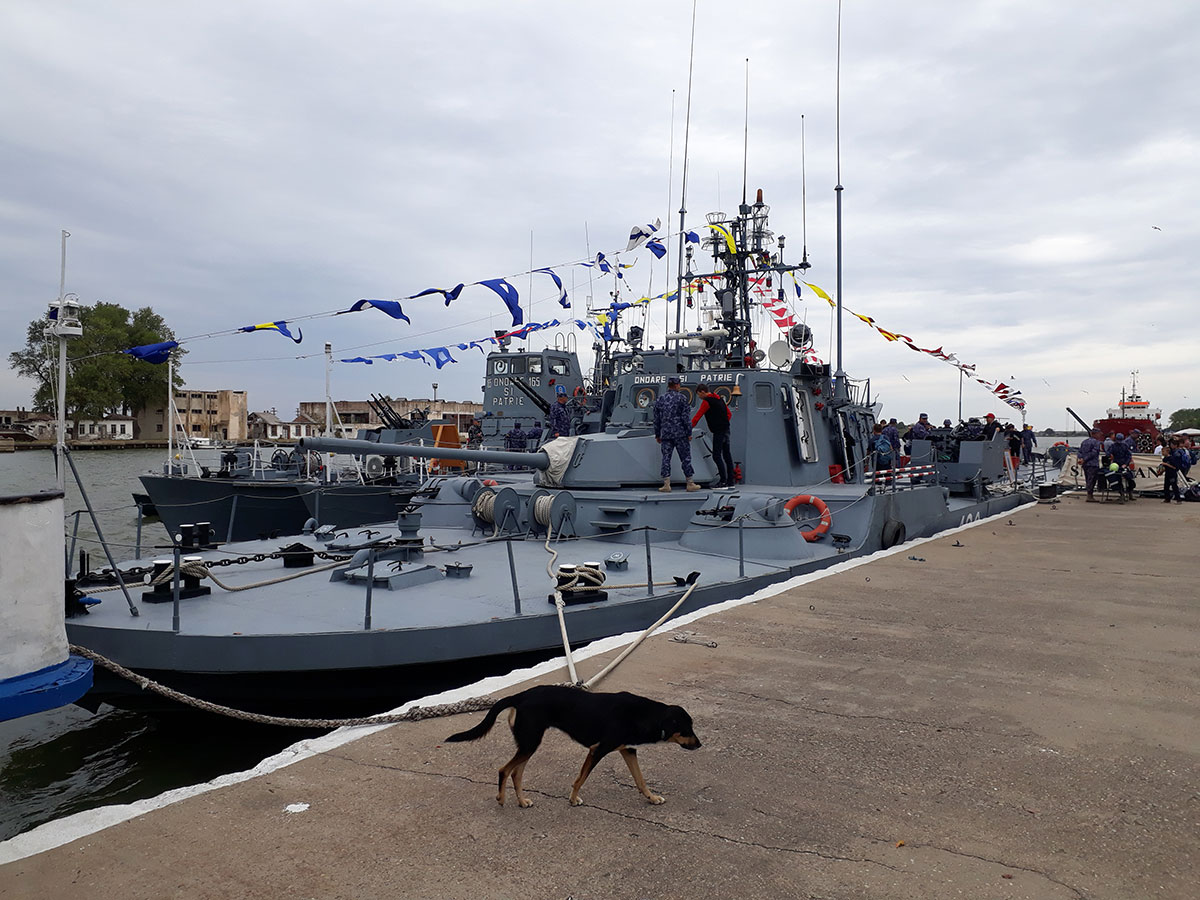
1133,412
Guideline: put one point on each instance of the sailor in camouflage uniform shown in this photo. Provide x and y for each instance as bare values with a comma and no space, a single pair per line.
673,430
560,418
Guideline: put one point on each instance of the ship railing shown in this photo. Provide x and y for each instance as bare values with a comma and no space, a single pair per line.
899,477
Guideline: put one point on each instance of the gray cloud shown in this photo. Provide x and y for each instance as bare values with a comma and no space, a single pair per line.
229,163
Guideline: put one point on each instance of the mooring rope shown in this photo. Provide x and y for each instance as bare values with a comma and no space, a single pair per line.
412,715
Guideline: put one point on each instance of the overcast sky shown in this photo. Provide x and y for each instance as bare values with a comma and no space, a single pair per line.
1008,166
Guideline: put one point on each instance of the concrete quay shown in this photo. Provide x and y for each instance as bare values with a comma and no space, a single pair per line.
1013,713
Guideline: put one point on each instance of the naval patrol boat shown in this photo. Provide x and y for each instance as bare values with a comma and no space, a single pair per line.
556,546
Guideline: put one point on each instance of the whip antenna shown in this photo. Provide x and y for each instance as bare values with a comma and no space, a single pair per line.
687,129
746,133
803,200
840,374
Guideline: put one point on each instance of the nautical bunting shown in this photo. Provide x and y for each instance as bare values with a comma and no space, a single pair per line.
509,295
646,236
152,353
281,327
640,234
450,295
1000,389
390,307
562,291
441,355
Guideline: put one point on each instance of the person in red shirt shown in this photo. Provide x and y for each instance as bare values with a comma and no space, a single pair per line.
717,415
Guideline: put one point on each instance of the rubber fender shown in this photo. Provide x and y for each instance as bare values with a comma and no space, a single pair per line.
894,533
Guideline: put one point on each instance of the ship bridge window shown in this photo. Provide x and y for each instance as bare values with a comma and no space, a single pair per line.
517,365
764,396
559,366
535,365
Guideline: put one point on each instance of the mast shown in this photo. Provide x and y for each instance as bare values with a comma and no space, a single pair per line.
687,130
61,329
840,390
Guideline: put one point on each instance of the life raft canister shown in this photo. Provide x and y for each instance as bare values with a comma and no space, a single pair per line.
811,534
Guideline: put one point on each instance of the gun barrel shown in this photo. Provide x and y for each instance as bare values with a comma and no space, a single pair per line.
1086,427
536,459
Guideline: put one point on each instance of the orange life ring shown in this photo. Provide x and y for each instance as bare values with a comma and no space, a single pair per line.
1061,444
818,504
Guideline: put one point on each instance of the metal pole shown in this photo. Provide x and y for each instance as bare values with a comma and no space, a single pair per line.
175,588
170,415
741,550
61,430
370,586
74,539
512,572
328,398
840,374
960,384
133,610
232,516
137,547
649,564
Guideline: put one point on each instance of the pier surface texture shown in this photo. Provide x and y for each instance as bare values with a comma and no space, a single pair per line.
1015,717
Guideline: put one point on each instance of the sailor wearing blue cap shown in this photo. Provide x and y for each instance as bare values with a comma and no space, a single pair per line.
920,431
560,419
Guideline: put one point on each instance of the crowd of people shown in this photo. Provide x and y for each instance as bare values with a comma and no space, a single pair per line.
1107,461
889,446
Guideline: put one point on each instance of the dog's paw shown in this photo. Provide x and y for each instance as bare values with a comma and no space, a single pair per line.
577,801
524,803
655,799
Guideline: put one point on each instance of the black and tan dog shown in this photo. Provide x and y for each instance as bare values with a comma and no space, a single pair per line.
601,722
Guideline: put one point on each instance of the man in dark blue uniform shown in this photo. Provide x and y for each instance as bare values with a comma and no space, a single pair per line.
920,431
717,415
515,439
1089,459
673,430
560,419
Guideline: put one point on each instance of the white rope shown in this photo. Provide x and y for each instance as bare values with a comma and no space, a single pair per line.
541,509
645,634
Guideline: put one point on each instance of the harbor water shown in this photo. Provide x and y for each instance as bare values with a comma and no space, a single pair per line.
67,760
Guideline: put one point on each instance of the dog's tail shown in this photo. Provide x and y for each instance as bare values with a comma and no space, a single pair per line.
474,734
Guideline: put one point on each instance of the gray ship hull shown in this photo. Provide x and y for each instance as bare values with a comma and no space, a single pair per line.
272,647
238,509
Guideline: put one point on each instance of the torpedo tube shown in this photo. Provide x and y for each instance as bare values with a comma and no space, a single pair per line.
37,671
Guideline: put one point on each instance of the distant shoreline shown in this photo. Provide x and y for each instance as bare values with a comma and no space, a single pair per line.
92,445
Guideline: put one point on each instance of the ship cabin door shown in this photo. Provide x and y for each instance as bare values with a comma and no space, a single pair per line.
856,428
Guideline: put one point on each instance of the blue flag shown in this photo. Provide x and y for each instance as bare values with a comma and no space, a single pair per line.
439,355
657,248
509,295
153,353
562,291
281,327
391,307
451,294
